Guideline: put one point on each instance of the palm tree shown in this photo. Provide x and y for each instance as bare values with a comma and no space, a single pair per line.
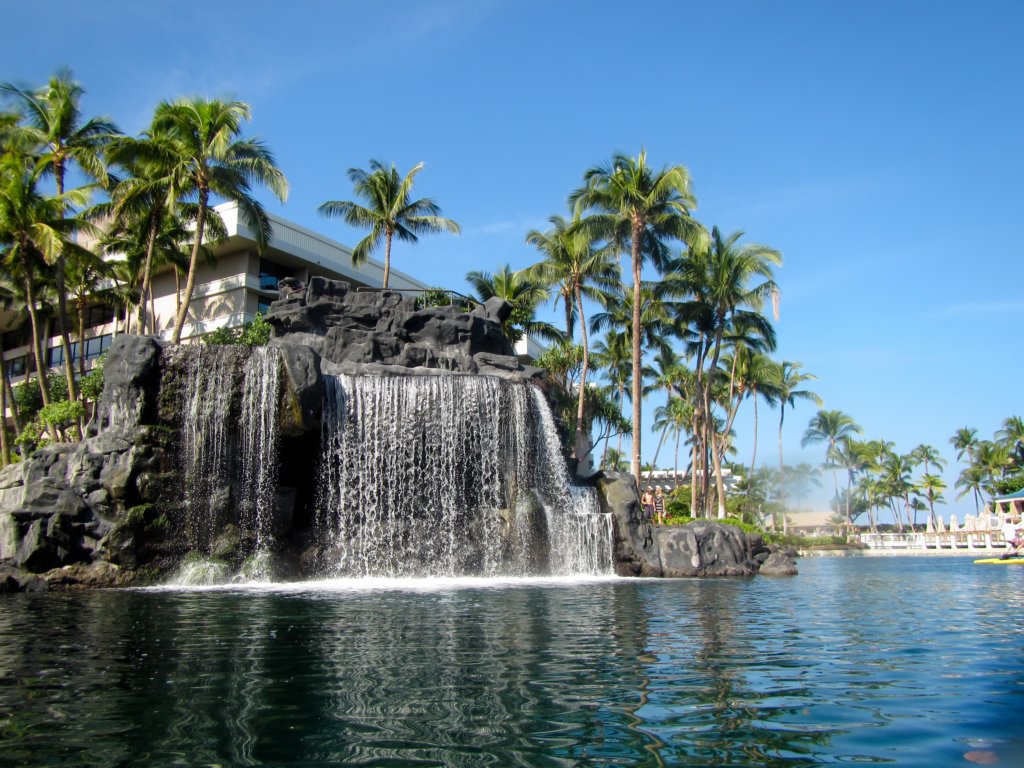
897,470
760,374
966,442
637,206
612,356
523,294
579,267
971,480
146,201
1012,431
668,376
996,460
928,455
788,379
208,152
830,427
88,276
849,455
34,228
673,419
720,277
53,124
388,212
933,486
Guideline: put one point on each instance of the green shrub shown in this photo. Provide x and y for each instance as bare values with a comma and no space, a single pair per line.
29,400
91,384
61,414
222,336
254,334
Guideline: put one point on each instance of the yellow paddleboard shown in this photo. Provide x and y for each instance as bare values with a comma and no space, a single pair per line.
998,561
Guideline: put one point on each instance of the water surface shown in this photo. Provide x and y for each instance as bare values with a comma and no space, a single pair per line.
910,661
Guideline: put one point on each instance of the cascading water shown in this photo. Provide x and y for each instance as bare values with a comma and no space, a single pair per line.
450,475
205,442
258,425
229,444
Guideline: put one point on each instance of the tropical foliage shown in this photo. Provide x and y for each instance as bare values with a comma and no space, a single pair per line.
388,212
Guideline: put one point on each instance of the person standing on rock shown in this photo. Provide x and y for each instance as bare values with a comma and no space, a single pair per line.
659,506
647,504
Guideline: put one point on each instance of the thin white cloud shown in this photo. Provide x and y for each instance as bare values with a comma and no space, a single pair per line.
795,198
503,226
994,307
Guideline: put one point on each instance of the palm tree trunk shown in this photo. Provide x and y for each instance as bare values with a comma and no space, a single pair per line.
80,312
582,438
675,466
12,404
147,268
849,490
5,448
719,483
62,302
65,335
782,466
637,233
37,349
388,234
177,291
753,453
190,281
693,471
37,346
622,399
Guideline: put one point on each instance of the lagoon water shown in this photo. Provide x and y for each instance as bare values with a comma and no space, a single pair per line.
909,661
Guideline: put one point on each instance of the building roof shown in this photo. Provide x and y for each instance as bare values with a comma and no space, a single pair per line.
1011,496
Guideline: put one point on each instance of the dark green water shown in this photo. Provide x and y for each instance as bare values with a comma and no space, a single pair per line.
917,662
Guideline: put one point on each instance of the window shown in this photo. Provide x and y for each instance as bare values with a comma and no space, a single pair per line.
55,355
101,314
270,273
18,338
16,366
96,346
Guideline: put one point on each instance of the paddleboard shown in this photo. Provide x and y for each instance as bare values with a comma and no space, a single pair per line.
998,561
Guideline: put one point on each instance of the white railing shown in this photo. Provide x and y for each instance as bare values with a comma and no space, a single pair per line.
948,540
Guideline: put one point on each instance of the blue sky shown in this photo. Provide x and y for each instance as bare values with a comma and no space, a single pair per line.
877,145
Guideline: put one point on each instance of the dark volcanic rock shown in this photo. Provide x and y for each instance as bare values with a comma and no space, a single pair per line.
382,331
635,553
16,580
129,380
304,394
778,564
705,548
701,548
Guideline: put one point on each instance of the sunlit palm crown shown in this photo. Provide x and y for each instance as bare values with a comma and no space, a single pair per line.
627,195
573,261
208,152
388,208
53,123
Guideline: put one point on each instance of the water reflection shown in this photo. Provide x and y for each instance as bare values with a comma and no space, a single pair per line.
771,673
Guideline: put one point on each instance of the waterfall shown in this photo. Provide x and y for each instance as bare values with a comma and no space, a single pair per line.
229,441
449,475
205,442
258,425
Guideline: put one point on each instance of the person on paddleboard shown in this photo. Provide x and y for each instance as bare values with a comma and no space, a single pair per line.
1015,546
